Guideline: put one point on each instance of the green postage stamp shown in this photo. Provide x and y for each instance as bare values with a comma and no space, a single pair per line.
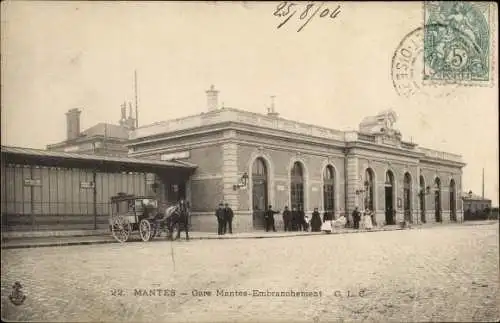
458,42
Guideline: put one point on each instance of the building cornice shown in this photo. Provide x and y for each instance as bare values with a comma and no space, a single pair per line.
233,119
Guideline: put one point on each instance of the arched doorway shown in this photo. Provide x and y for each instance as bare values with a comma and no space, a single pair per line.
329,189
407,197
453,202
437,199
390,213
297,186
369,189
259,192
421,195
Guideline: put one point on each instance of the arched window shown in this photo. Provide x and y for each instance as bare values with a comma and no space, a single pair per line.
259,191
437,199
297,186
407,196
329,189
370,189
422,193
453,202
390,212
259,168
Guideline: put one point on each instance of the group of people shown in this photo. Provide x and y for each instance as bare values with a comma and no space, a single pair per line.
363,220
298,220
224,215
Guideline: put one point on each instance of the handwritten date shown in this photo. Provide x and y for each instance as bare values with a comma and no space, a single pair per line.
288,9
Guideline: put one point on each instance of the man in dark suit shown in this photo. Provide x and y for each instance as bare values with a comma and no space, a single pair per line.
303,224
183,219
219,214
228,215
296,224
269,216
356,217
287,219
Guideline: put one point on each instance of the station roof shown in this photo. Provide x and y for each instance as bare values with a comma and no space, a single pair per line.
30,156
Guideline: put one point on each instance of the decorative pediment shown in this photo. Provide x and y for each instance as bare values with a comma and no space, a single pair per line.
382,126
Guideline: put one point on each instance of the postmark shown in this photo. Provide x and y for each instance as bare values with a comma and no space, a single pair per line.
408,65
457,42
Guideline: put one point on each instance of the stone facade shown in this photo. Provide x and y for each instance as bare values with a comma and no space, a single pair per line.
225,144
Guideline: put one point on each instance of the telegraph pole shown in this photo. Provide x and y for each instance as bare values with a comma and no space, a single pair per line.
482,194
136,104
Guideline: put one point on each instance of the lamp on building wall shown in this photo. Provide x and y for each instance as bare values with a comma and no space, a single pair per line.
243,182
359,192
425,191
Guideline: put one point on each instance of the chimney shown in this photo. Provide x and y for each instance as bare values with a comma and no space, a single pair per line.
212,98
123,118
130,120
270,111
124,112
73,123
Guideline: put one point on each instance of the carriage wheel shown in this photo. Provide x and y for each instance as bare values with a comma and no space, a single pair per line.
145,230
121,228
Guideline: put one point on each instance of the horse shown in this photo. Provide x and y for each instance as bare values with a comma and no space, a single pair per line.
177,215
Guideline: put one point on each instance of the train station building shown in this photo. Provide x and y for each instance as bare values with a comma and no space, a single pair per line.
253,160
246,159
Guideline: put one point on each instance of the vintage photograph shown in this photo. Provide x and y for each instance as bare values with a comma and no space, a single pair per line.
225,161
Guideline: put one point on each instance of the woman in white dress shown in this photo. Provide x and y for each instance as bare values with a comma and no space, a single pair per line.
368,221
327,226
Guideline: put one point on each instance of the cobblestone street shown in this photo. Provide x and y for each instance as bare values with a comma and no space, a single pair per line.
447,273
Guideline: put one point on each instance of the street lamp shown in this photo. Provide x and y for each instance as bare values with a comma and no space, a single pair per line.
243,182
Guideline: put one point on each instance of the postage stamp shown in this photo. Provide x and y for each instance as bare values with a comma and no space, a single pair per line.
458,39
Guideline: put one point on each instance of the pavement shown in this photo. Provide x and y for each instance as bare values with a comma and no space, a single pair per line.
102,238
444,273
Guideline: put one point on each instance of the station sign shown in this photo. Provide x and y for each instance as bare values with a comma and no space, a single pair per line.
87,185
71,149
32,182
173,156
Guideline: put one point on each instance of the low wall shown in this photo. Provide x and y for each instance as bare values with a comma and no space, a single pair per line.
68,222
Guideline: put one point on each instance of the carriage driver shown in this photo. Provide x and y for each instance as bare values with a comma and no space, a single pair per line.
183,219
221,219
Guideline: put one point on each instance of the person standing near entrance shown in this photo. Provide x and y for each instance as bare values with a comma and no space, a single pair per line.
219,214
303,221
356,217
287,219
269,215
315,221
183,219
295,219
228,217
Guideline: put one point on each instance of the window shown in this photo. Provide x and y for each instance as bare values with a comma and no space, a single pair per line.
329,189
370,189
297,186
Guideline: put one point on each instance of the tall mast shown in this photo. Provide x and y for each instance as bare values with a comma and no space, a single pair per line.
136,104
482,194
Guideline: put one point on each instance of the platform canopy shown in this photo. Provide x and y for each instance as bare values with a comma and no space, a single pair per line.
39,157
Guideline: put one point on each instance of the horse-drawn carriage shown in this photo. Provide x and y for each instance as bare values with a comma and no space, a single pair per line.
130,213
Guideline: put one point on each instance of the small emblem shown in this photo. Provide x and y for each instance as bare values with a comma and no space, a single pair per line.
17,296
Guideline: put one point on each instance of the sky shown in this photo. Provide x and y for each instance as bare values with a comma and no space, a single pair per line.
62,55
